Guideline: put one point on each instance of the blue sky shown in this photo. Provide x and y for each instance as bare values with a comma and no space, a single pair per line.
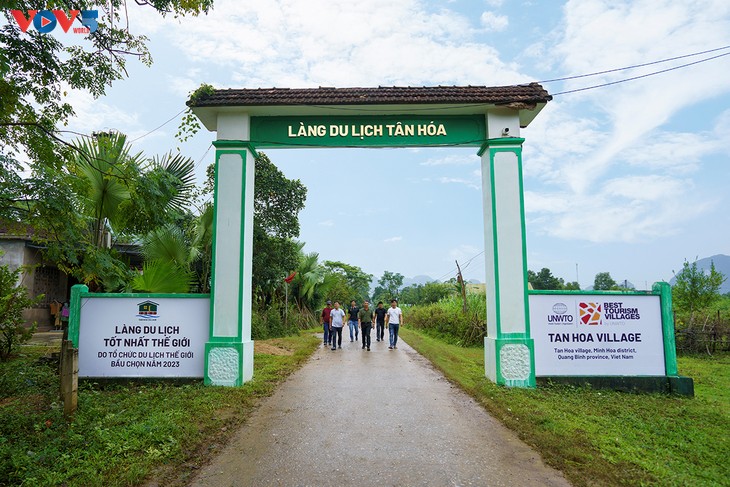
631,178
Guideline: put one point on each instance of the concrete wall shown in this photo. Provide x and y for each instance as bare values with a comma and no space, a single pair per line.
17,254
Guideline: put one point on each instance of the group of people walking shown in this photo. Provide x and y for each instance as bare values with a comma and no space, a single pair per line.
361,320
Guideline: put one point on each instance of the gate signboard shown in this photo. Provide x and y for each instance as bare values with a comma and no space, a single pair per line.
597,334
143,335
368,131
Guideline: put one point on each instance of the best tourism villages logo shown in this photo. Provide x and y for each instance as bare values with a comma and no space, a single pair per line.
147,311
593,314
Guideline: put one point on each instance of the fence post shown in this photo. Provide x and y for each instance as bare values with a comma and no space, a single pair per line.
61,360
69,377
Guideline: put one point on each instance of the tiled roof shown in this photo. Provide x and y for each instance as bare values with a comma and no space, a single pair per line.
517,96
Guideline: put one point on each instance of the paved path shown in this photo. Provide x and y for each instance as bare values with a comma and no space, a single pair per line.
387,418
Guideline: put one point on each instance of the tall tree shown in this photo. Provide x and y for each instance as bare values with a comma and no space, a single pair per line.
277,203
433,292
604,282
388,286
544,280
356,280
695,289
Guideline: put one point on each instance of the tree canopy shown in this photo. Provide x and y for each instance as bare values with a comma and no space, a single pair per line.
37,70
353,282
544,279
604,282
696,289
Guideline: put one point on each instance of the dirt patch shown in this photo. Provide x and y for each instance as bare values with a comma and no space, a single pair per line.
270,348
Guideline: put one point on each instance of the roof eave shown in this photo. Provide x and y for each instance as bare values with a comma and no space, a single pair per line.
208,115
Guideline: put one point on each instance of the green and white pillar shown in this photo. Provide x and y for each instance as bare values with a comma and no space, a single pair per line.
509,353
229,352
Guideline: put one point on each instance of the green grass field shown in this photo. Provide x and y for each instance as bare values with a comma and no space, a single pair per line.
599,437
125,433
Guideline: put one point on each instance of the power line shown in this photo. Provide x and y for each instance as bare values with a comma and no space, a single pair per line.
160,126
641,76
203,157
466,264
634,66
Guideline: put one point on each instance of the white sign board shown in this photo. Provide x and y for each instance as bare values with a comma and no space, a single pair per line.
140,337
593,335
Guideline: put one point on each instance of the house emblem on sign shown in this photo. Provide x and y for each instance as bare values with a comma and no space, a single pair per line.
147,309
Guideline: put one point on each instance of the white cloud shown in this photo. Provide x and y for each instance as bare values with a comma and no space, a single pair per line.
340,43
393,239
625,209
599,35
494,22
94,115
605,165
452,160
471,183
183,85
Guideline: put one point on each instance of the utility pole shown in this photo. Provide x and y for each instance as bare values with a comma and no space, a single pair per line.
460,280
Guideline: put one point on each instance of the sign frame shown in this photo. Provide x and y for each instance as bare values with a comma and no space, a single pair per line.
80,295
671,381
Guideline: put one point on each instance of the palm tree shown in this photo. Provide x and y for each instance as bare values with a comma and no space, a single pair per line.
311,283
168,256
121,193
203,242
107,166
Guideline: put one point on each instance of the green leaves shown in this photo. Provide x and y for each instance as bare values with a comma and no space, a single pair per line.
277,200
160,276
168,243
181,172
604,282
13,300
696,289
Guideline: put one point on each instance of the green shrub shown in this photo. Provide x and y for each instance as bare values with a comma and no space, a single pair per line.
13,300
447,319
269,322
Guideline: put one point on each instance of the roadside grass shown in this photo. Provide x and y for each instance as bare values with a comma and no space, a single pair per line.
125,433
599,437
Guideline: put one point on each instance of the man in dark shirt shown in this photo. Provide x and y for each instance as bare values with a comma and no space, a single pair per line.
352,320
326,321
365,319
380,313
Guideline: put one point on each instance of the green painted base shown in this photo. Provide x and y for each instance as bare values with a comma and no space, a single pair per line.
683,386
510,361
224,363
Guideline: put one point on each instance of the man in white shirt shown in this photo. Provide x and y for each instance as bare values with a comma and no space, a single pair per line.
393,320
337,317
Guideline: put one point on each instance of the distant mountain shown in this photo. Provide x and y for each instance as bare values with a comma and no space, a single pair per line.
722,264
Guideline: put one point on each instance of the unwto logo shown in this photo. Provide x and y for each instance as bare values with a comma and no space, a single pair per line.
45,21
590,313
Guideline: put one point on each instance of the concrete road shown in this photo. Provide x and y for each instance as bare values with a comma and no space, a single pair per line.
385,417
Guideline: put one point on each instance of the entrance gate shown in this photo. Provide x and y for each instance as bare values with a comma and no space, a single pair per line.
487,118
